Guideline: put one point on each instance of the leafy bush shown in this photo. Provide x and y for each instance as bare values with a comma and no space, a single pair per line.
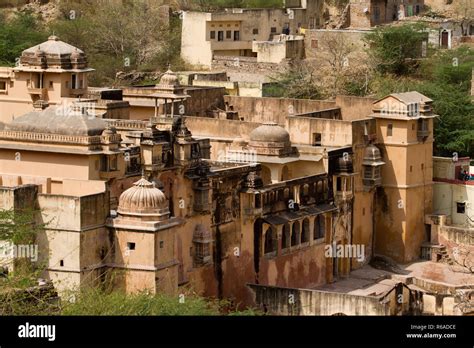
392,47
17,34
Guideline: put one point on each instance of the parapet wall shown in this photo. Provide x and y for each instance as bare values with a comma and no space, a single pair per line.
286,301
274,109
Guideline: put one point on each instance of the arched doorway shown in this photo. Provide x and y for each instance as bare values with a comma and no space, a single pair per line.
305,231
444,39
285,237
266,175
285,173
295,235
257,237
270,241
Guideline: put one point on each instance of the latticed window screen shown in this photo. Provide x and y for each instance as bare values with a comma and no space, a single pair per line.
202,239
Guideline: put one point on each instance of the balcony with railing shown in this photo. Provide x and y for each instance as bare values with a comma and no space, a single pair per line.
41,92
423,130
78,91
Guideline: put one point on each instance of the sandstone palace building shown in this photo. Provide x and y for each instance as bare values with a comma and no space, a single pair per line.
173,186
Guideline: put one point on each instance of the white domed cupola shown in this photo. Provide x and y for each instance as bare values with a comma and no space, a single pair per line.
144,201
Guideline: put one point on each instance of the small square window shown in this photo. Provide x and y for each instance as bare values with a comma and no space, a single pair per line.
317,137
162,244
3,85
61,263
130,246
213,35
255,32
273,30
460,207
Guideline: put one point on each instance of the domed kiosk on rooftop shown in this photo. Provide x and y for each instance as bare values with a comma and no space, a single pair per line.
270,139
53,54
169,78
144,201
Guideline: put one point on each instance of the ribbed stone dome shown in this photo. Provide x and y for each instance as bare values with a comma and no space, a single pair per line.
270,132
143,199
372,156
344,165
169,78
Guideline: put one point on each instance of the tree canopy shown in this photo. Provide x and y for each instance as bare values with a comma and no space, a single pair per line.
392,47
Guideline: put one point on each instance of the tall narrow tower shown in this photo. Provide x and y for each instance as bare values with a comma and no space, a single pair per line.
404,123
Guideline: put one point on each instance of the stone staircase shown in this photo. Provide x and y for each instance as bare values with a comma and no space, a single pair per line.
444,256
436,253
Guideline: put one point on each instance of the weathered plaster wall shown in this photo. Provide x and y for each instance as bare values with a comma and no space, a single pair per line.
313,302
274,109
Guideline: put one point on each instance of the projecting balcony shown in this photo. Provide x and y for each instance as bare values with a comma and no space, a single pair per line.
372,182
78,91
253,211
106,175
41,92
422,133
230,45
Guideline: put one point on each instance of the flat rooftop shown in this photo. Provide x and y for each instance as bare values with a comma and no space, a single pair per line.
369,281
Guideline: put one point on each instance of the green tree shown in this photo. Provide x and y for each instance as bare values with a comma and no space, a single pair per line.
299,81
213,5
120,37
20,227
395,49
444,77
17,34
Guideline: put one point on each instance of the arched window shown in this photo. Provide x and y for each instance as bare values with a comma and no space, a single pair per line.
285,174
281,195
305,231
266,175
319,227
285,237
295,235
270,241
